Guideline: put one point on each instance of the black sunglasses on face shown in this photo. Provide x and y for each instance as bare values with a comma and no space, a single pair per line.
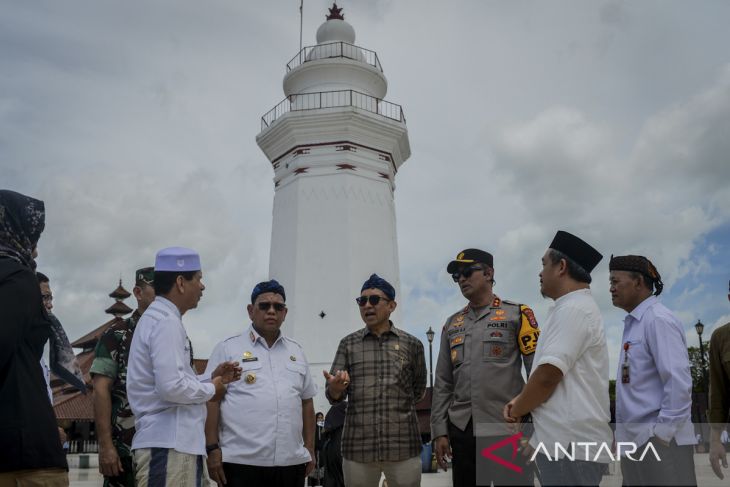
277,306
374,300
466,272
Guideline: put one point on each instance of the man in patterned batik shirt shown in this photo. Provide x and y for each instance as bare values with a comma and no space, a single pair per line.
113,416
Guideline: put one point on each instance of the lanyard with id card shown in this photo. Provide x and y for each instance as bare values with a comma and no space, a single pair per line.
625,377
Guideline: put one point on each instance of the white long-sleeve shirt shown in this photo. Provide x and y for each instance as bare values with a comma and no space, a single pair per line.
657,400
167,397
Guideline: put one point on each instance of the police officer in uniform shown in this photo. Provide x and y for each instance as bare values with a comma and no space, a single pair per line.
479,368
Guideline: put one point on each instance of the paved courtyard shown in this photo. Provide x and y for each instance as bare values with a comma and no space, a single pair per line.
88,477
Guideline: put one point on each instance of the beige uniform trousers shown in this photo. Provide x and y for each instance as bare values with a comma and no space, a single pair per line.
42,477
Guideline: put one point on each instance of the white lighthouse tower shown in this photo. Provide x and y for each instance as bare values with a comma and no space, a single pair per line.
335,146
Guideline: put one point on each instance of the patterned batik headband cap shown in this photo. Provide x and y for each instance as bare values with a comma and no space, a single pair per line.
640,264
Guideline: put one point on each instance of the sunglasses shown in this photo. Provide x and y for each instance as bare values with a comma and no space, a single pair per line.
466,272
373,300
278,307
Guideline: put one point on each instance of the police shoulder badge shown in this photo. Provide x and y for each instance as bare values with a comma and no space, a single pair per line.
529,331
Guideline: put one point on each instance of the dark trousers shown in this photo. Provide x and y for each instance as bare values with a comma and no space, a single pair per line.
676,466
332,460
563,472
464,463
238,475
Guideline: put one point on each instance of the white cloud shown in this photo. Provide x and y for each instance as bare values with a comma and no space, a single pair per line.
135,122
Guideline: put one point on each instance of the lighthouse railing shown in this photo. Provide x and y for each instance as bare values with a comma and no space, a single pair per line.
334,50
333,99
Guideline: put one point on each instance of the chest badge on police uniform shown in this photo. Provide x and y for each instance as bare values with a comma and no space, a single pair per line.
459,321
250,378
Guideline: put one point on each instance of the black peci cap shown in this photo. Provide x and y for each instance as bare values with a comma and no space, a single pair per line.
583,254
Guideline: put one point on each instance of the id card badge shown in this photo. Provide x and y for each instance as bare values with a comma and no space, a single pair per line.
625,379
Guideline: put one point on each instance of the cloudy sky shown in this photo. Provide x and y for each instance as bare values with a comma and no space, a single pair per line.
136,121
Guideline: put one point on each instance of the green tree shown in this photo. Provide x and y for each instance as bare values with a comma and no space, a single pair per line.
699,375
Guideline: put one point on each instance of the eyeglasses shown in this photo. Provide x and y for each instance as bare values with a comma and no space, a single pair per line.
466,272
47,298
373,300
278,307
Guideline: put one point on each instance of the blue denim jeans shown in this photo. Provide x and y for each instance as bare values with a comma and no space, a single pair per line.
566,472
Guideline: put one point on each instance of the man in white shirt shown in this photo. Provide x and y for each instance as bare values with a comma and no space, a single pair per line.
262,433
567,392
653,382
167,397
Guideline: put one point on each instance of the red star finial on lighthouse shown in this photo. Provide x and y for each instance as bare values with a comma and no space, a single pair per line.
335,13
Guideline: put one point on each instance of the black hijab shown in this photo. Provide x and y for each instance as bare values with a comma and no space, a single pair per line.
22,220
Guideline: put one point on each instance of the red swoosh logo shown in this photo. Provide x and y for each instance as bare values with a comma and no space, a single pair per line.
513,440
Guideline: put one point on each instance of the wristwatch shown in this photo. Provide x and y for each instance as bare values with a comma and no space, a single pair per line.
211,447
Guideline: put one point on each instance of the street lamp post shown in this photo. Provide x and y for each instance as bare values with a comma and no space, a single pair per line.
430,334
699,327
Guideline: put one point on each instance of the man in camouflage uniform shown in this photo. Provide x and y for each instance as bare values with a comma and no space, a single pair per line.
479,368
113,416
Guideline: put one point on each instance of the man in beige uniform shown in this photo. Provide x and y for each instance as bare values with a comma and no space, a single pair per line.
483,349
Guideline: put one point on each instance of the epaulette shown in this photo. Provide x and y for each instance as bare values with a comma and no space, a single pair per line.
291,340
513,303
234,336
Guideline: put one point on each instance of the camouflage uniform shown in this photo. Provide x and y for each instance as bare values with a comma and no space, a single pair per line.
111,357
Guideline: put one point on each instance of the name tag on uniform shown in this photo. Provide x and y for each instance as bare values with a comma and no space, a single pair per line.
457,340
248,357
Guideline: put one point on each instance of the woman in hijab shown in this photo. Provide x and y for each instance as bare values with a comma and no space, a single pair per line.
30,449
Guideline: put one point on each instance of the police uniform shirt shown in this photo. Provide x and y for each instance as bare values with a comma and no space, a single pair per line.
574,341
167,397
479,367
657,399
261,415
